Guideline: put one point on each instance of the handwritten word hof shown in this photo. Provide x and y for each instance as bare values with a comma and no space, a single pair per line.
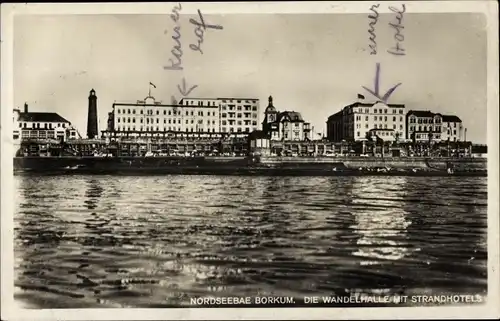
200,26
396,24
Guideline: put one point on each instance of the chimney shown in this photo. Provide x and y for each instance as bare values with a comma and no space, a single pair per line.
26,107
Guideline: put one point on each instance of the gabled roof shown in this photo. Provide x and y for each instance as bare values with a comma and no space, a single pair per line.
451,119
293,116
42,117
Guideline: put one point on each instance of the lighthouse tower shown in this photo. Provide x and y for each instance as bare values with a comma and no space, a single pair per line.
92,131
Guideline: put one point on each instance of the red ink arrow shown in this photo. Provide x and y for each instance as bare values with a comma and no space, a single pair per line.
375,92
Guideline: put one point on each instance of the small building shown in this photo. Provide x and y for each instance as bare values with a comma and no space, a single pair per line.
41,125
259,143
452,128
287,125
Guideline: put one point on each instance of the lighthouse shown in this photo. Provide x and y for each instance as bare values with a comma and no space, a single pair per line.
92,131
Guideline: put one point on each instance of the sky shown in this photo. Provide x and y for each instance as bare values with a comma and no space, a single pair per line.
311,63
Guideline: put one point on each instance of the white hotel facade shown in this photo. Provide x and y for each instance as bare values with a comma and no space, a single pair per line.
201,116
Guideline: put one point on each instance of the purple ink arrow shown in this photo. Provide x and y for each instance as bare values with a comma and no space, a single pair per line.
375,92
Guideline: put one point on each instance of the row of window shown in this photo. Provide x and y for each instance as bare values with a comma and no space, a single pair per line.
380,118
385,126
200,103
37,134
425,120
239,122
425,136
166,112
170,128
233,107
381,133
43,125
239,130
380,111
239,115
425,128
170,121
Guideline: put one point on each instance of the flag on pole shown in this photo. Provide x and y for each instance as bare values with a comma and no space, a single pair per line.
361,96
152,84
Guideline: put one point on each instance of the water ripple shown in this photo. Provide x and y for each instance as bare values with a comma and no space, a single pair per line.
109,241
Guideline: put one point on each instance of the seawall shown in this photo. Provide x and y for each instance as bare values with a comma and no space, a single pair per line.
392,162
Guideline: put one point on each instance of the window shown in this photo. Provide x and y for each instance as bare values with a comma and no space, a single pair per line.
385,117
374,111
128,111
400,118
385,111
394,118
400,111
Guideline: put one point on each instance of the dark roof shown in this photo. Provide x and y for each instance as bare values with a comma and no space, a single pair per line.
42,117
292,115
451,119
384,129
336,115
421,113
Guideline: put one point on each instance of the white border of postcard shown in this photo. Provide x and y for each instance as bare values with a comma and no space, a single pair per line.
9,312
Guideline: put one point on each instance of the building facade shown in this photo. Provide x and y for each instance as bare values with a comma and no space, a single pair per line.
239,114
190,115
354,122
287,125
453,129
426,126
41,125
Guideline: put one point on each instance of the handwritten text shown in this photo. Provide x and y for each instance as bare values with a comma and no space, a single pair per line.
398,50
199,31
371,31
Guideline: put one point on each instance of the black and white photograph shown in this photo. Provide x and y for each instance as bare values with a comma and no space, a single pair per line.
185,158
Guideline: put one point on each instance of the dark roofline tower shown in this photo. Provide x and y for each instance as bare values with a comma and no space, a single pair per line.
92,116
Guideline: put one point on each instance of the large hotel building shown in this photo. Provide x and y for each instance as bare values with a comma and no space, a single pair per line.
391,122
355,121
149,117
